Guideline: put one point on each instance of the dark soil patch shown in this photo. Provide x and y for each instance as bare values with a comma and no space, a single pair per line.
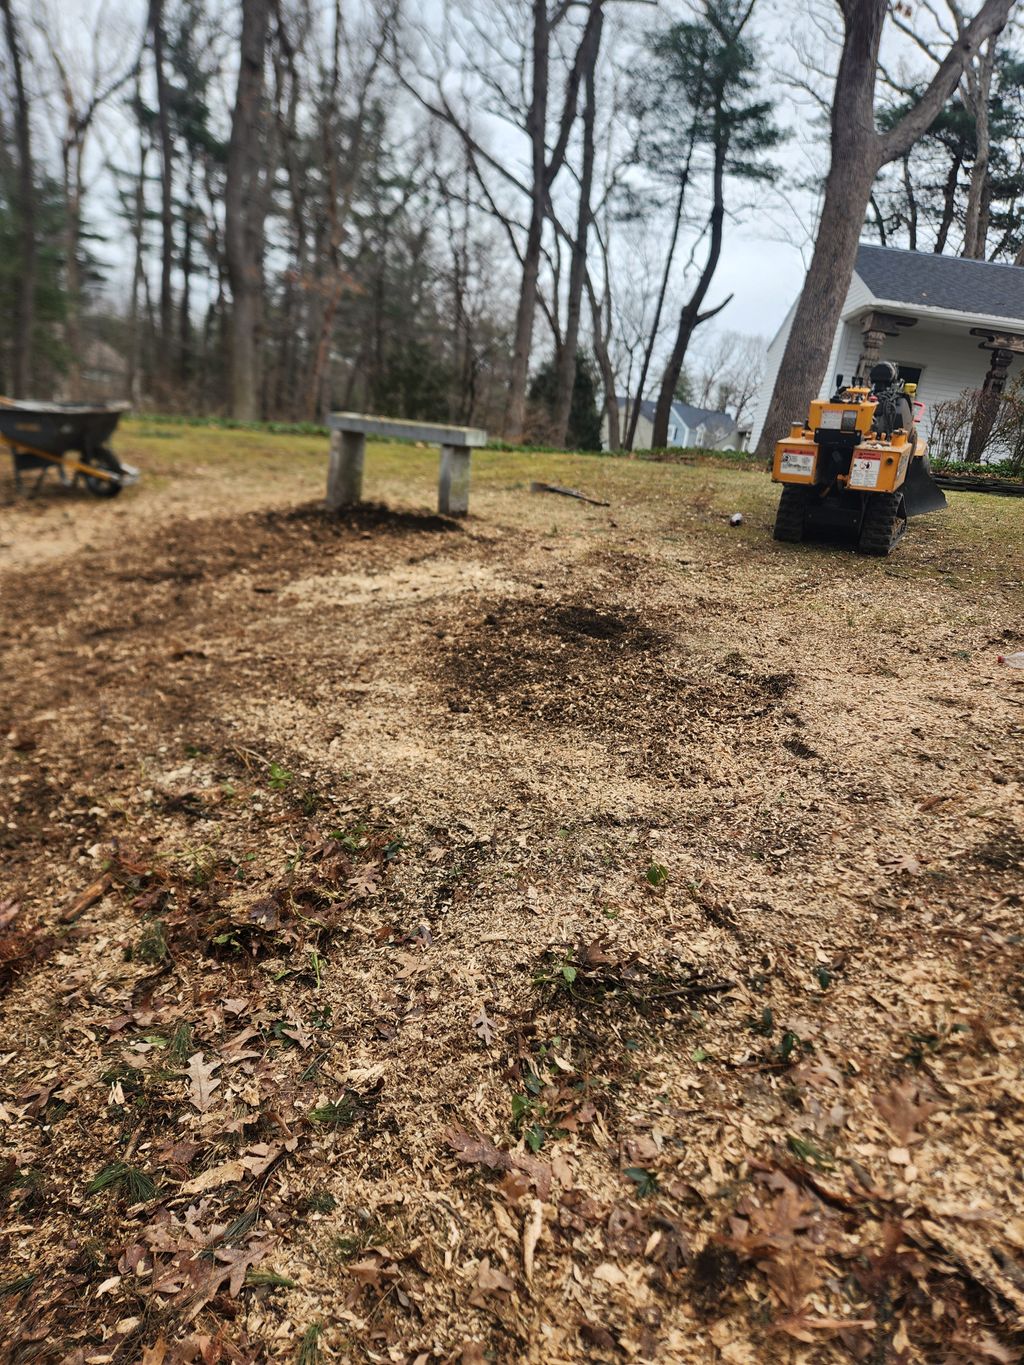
553,663
572,623
367,516
601,669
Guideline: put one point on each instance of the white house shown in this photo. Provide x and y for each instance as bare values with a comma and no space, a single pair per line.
921,308
689,427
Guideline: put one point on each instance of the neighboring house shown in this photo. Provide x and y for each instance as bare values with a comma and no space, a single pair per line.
104,373
687,426
919,310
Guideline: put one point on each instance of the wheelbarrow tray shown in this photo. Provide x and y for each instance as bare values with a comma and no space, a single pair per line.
56,428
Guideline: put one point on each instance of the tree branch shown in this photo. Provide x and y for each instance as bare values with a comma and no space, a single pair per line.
989,20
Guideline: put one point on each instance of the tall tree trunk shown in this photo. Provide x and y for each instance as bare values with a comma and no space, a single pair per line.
71,166
979,87
948,205
244,207
136,362
691,316
604,364
908,185
536,127
565,378
858,152
24,315
165,358
633,415
185,367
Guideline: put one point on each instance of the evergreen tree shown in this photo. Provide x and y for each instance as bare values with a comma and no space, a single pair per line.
584,430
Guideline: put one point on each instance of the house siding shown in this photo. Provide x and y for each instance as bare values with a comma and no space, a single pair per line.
950,361
947,354
773,360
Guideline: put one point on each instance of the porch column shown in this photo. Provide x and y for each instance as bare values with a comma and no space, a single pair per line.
876,327
873,342
1003,346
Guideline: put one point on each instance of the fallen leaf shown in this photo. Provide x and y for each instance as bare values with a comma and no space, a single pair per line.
609,1274
201,1082
490,1278
903,1109
483,1027
226,1174
475,1150
532,1229
793,1277
365,882
298,1034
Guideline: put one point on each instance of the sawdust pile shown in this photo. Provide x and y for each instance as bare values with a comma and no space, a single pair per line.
422,942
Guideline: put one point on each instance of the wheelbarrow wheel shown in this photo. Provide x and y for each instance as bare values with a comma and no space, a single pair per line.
104,458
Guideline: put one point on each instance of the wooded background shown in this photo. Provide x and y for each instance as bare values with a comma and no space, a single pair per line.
498,212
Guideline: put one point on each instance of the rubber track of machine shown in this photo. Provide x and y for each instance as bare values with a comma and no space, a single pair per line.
792,513
882,529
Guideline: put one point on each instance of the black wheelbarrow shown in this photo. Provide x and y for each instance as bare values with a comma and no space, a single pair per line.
68,437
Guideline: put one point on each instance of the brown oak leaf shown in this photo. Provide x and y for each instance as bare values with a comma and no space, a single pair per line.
903,1109
201,1082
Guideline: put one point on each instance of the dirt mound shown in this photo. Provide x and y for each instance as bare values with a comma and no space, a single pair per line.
367,516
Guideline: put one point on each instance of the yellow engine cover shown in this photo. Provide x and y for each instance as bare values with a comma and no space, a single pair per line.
841,416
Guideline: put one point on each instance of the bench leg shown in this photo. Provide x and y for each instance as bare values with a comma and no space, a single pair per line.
453,484
345,470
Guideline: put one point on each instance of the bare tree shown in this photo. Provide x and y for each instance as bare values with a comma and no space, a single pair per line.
859,150
157,35
708,64
244,210
84,87
525,103
565,370
24,318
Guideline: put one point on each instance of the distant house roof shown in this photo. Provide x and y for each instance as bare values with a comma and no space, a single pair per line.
925,280
689,416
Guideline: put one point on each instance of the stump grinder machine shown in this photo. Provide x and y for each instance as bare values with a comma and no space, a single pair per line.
858,467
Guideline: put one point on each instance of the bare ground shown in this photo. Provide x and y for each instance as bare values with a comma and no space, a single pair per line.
575,934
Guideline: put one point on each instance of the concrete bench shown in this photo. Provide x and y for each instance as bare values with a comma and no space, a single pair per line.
349,431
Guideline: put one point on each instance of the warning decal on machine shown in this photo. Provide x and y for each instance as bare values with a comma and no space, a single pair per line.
864,471
797,462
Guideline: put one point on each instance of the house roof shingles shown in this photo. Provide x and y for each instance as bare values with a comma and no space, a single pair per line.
684,412
925,280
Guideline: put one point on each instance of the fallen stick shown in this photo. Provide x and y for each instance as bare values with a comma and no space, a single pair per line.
87,898
566,493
